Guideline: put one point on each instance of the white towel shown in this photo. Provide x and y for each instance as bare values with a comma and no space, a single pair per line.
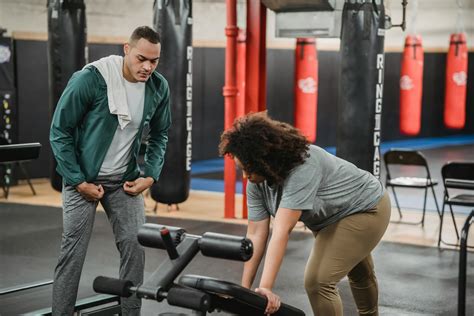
110,68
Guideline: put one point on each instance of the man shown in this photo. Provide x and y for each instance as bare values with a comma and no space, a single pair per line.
95,136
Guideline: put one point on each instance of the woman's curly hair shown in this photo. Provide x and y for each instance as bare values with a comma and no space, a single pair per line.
266,147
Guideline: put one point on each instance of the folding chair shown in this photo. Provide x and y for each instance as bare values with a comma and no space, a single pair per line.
458,177
409,158
16,155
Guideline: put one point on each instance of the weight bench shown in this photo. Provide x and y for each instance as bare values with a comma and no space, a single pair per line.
17,154
233,298
197,293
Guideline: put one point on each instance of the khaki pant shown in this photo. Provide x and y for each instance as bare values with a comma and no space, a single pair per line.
341,249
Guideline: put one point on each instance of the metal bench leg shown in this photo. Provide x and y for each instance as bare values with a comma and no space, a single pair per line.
463,265
454,222
424,209
441,223
6,178
436,201
27,176
396,202
6,190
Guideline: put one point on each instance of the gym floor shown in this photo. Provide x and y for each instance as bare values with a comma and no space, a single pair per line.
415,277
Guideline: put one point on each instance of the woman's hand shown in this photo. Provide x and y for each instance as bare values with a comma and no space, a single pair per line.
273,300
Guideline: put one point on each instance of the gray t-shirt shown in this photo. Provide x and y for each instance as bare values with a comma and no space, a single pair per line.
118,155
325,188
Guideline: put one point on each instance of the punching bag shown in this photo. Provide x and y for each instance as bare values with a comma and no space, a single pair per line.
361,84
456,83
173,20
411,86
306,87
66,53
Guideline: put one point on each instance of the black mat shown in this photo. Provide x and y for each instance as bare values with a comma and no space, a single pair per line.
412,280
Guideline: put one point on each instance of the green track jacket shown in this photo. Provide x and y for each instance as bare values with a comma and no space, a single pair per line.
82,128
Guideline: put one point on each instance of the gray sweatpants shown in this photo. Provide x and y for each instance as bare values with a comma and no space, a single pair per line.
126,213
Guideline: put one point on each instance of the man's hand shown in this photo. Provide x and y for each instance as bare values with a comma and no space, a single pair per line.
273,300
138,186
90,191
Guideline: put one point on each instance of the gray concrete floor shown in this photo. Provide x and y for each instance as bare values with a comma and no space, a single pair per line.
412,280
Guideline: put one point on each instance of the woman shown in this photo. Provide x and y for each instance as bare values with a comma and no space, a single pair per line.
346,208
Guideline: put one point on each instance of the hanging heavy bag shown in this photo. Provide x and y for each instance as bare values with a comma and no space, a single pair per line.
306,87
66,53
411,86
361,84
456,83
173,20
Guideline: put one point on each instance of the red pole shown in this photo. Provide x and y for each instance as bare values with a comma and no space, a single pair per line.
241,48
230,91
255,67
255,77
262,98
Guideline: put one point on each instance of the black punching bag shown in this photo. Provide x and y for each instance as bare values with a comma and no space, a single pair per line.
173,20
361,84
66,53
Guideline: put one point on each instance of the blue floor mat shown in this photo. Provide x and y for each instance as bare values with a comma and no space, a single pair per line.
217,165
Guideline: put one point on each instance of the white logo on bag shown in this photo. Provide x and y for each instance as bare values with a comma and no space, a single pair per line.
378,115
5,54
406,83
189,107
460,78
307,85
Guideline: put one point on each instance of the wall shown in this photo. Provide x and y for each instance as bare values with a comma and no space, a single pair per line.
208,112
113,20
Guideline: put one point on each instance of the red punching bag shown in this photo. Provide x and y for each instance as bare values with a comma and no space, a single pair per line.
411,86
306,87
456,82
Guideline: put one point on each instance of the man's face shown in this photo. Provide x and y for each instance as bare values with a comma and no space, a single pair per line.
141,59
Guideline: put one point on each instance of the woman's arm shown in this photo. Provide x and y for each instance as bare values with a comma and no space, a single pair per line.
285,221
258,233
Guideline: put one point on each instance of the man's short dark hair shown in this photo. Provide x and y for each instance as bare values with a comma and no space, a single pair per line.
145,32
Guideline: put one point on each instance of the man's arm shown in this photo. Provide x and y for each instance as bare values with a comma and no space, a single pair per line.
70,110
158,138
257,232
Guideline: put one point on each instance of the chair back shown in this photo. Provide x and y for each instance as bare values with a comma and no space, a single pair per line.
458,175
404,157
